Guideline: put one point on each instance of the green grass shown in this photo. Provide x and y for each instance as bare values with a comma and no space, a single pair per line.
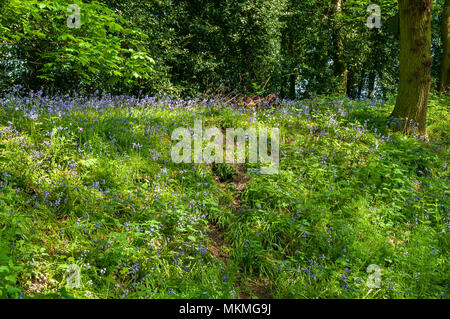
90,181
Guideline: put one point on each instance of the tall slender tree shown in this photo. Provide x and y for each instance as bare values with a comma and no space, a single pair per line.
445,34
340,66
415,65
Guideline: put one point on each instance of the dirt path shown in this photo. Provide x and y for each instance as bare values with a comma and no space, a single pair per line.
248,287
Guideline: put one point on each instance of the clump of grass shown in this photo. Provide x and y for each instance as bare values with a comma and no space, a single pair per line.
225,172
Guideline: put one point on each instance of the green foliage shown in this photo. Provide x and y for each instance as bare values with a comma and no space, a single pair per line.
103,52
252,47
225,172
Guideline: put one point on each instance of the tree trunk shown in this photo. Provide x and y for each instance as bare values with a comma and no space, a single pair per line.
415,65
445,34
361,83
350,84
340,67
283,87
292,80
289,64
371,84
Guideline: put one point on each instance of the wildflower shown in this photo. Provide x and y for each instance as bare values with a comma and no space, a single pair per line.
137,146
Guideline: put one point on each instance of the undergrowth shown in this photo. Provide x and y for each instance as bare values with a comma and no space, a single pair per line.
90,181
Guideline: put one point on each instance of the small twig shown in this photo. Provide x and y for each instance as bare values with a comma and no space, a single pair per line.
267,81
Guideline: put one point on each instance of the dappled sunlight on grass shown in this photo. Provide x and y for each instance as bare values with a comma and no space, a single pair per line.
90,181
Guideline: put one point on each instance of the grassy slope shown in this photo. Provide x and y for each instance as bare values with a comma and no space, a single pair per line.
90,181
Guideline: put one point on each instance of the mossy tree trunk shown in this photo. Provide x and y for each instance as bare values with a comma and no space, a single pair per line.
415,65
445,29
